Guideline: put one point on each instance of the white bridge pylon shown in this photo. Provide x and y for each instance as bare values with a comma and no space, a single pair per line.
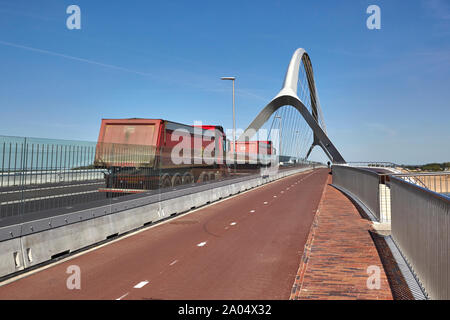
288,97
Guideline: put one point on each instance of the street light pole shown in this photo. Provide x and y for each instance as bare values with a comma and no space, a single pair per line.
234,116
234,120
279,117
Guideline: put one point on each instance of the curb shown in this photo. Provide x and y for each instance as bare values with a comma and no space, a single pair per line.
298,283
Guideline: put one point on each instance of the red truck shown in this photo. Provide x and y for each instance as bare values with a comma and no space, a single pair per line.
145,154
252,148
141,154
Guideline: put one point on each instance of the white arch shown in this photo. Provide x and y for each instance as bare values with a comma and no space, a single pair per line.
288,96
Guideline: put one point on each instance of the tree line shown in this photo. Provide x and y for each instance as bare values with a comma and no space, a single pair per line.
429,167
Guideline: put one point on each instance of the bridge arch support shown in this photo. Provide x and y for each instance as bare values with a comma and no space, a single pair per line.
288,96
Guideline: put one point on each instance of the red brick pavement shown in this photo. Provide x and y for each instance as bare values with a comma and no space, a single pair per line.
338,252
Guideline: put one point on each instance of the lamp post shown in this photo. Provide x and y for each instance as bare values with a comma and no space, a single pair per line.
234,122
234,112
279,117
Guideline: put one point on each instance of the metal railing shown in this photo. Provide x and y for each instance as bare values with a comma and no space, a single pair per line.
438,182
417,206
43,174
29,163
374,189
42,177
377,164
363,184
420,226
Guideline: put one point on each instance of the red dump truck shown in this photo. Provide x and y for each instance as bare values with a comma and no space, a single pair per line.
251,154
252,148
144,154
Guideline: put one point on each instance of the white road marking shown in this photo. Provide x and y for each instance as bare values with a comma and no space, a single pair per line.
202,244
52,188
123,296
49,197
141,284
173,262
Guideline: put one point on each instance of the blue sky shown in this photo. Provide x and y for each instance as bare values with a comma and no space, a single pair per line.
384,93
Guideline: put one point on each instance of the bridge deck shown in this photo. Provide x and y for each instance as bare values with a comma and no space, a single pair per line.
340,251
246,247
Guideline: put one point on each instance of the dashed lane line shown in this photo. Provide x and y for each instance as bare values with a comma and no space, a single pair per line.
141,284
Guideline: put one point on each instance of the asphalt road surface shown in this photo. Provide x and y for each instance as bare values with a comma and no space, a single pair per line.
34,202
245,247
37,193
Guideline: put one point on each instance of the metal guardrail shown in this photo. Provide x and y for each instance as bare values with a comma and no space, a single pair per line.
376,164
362,183
438,182
406,173
43,174
420,227
418,207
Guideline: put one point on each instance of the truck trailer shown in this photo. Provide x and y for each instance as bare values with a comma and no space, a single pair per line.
145,154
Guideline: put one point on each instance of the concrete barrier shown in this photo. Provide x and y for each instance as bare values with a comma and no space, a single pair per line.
11,258
43,240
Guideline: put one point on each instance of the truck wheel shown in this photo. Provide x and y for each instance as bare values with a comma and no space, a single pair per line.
147,185
203,177
176,180
165,182
187,178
